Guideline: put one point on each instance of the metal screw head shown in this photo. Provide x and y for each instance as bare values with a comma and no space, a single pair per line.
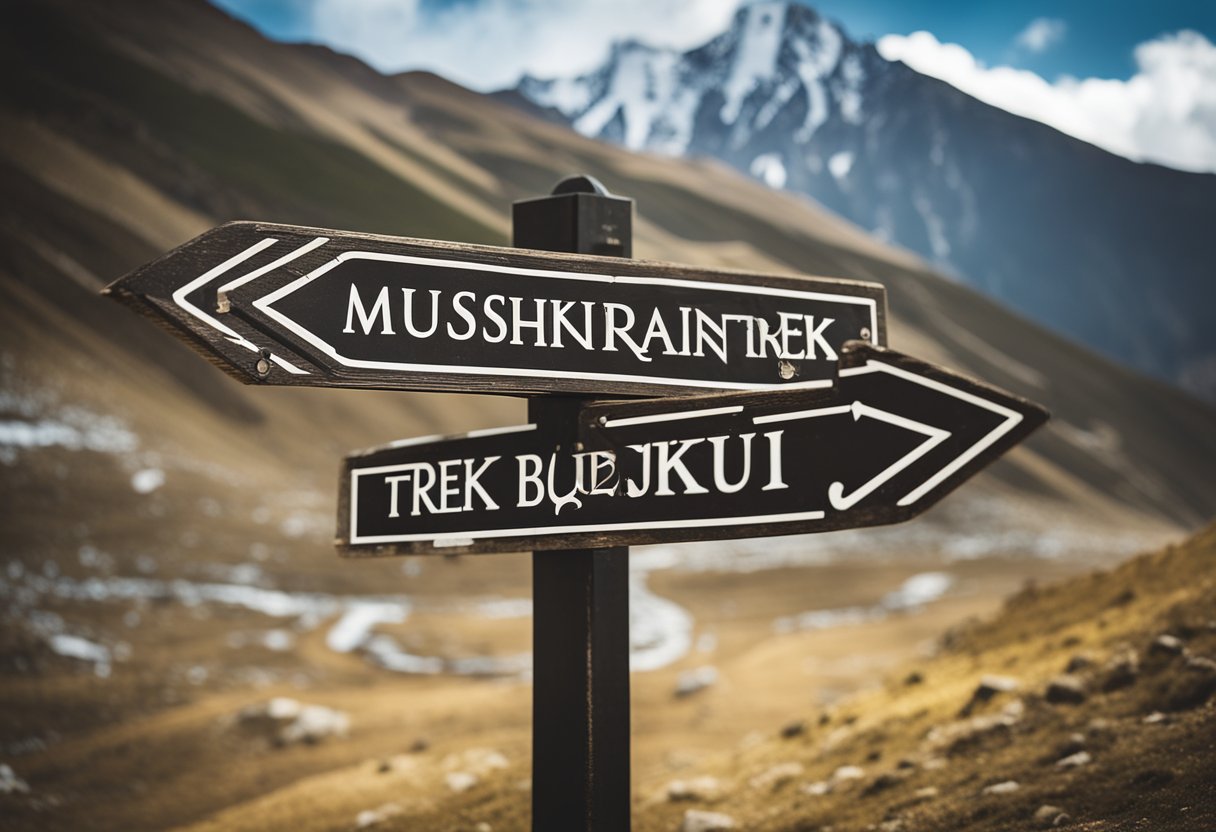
263,367
786,369
603,420
865,333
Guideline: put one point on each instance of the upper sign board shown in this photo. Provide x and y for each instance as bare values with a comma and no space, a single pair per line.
288,305
885,441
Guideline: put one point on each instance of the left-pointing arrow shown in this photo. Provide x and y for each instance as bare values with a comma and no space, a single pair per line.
340,309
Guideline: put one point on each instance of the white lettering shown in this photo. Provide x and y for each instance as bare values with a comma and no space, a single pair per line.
465,315
669,462
408,305
814,335
355,307
720,481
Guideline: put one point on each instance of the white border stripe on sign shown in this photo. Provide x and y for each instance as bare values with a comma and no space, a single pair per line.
265,304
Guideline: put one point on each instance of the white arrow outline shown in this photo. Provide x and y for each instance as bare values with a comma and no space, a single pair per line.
179,297
264,305
1012,419
836,490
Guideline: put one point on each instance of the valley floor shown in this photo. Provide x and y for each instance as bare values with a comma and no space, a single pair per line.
904,697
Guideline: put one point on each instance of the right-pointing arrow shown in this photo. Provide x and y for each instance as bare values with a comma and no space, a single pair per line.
890,437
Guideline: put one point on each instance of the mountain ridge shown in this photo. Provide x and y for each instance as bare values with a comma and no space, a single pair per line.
1106,250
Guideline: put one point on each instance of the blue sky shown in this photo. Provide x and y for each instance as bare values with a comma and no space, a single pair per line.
1136,78
1098,38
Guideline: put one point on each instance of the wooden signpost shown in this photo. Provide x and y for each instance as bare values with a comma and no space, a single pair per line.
760,405
275,304
881,445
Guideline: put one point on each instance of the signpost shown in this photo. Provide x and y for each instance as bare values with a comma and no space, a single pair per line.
889,438
774,408
276,304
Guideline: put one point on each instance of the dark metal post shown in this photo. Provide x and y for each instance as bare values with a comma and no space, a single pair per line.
580,597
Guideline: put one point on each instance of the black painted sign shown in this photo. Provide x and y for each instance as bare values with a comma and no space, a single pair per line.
288,305
886,440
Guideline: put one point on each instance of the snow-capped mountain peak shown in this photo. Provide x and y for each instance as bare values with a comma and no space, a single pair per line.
775,55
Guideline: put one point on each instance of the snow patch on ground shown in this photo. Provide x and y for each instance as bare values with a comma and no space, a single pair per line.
911,595
660,631
355,626
75,647
147,480
10,783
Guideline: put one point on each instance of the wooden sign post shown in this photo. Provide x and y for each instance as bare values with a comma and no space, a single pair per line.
580,597
775,408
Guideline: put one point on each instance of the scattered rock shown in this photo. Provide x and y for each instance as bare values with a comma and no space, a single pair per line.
1166,645
793,729
696,680
419,745
372,817
1074,743
1048,815
1081,758
483,827
385,767
10,783
1066,690
914,678
905,763
936,763
965,734
1005,787
926,793
695,789
698,821
844,774
1079,662
987,690
285,721
776,777
1201,664
883,782
460,781
1190,688
892,825
1154,718
1121,670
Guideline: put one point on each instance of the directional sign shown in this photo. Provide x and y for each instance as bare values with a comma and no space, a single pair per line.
288,305
885,441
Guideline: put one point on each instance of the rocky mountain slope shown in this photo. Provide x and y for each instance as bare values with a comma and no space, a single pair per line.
1113,253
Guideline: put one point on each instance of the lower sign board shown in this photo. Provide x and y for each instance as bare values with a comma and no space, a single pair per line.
275,304
890,437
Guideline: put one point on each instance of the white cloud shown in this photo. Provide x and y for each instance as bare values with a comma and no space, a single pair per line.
1041,33
1164,113
487,44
